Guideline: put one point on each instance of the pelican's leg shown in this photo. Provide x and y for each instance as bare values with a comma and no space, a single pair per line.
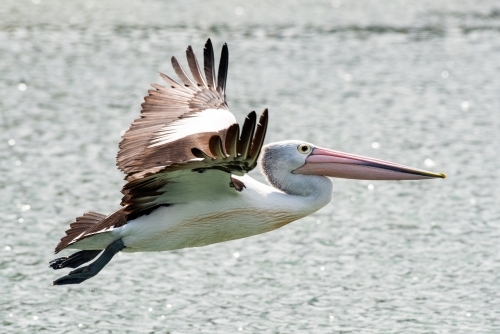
74,260
81,274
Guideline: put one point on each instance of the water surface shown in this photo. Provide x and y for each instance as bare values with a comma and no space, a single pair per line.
413,83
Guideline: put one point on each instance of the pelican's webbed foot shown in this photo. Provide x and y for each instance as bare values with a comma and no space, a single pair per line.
84,273
74,260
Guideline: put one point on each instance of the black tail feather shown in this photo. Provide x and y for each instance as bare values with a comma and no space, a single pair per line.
74,260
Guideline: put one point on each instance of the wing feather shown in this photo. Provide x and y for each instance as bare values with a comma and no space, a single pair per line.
215,145
171,82
232,136
223,67
247,135
183,76
195,68
209,63
260,134
174,110
233,155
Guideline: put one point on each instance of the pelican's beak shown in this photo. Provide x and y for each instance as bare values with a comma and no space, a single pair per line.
349,166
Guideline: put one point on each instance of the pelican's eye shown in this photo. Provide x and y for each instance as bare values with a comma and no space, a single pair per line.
304,148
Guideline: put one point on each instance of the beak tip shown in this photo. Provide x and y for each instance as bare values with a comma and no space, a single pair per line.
443,175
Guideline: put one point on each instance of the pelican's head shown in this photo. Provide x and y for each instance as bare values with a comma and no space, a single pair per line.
298,157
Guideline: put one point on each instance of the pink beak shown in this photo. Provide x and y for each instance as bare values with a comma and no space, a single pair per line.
349,166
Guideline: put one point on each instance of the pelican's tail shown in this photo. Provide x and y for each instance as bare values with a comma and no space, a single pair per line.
78,228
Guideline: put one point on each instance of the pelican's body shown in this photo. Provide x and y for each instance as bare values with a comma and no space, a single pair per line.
186,160
215,217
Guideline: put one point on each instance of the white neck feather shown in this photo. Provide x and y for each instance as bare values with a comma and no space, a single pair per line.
316,187
279,160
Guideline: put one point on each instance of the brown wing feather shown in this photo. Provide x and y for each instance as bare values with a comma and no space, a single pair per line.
92,223
183,76
195,68
235,154
81,224
166,105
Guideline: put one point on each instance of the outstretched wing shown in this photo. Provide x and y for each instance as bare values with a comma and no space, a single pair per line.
186,129
179,182
177,118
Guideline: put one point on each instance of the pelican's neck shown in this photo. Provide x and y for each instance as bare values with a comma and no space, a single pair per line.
277,163
311,186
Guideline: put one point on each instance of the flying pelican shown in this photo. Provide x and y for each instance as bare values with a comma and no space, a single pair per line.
186,160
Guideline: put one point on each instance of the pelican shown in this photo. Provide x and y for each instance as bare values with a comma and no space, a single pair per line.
186,161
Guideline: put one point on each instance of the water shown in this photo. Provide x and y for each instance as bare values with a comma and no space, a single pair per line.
413,83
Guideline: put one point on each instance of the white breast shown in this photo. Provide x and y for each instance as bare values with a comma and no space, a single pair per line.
255,210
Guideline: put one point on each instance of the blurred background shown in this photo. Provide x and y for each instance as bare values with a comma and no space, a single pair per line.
415,82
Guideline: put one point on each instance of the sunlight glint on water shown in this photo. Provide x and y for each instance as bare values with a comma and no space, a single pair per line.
412,83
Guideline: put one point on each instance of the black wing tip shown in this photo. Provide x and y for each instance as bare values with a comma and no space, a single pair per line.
225,52
264,117
252,115
209,44
223,69
263,120
209,65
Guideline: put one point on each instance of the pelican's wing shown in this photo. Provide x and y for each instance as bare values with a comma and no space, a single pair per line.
183,131
206,174
177,118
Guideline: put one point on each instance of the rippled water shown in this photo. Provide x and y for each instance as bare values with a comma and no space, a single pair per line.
417,84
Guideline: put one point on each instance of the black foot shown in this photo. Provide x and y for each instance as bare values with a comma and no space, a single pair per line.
74,260
84,273
78,276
